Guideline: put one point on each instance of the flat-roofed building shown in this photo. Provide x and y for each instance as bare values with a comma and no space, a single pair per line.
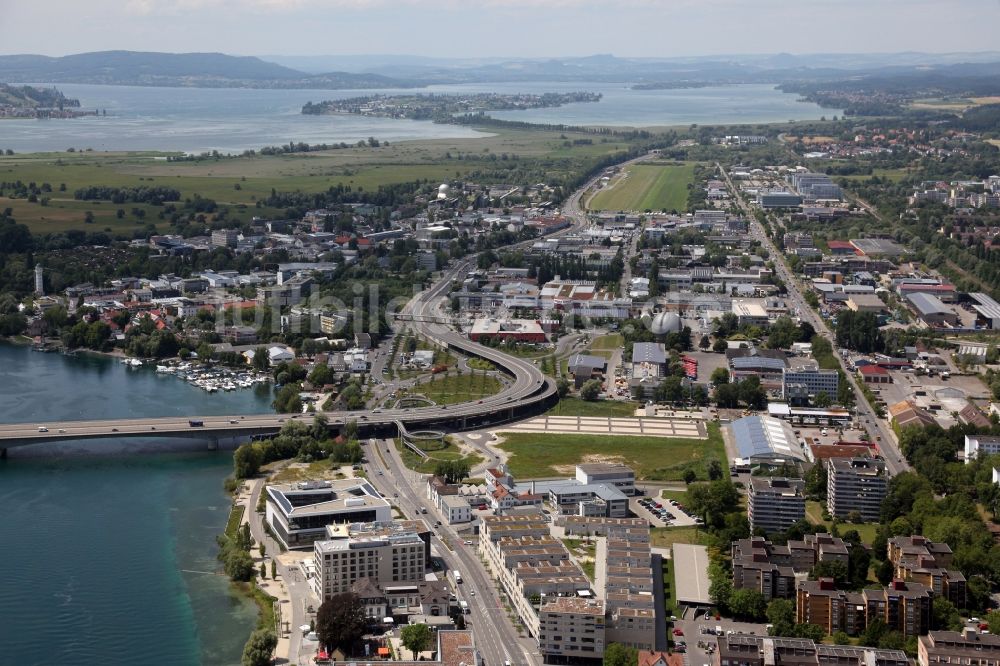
520,330
298,513
387,556
976,445
750,650
856,484
620,476
775,503
571,627
765,439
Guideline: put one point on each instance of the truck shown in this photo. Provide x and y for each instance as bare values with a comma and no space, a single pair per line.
196,423
464,605
457,576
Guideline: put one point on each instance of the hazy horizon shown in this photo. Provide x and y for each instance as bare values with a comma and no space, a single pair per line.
485,29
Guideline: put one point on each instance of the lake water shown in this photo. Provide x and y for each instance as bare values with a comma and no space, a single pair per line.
232,120
110,558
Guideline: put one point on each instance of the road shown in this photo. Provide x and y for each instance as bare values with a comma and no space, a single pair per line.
496,638
876,428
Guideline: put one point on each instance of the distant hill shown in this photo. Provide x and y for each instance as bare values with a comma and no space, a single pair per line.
210,70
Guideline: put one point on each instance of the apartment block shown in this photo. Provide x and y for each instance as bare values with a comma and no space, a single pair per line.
903,606
775,503
969,648
856,484
920,560
571,627
748,650
771,570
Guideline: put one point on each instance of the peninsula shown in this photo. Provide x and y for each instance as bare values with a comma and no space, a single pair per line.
31,102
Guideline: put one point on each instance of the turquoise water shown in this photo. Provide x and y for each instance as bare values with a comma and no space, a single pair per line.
232,120
110,558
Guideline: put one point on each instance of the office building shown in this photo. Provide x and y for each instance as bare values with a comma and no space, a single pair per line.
804,380
856,485
621,477
386,553
298,513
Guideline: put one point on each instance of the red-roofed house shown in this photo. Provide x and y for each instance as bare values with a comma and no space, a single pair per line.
874,374
654,658
841,247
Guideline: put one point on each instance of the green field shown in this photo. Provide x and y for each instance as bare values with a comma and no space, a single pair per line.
238,184
814,514
611,341
667,536
459,388
576,407
647,187
437,453
652,458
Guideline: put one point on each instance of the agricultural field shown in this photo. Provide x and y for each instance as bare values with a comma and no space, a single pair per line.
650,186
239,184
652,458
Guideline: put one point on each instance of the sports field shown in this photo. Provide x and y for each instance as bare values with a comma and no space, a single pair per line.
660,186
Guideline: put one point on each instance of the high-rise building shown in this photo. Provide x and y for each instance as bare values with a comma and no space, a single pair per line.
775,503
855,484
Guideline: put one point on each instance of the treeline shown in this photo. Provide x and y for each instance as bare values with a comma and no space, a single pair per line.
153,195
485,120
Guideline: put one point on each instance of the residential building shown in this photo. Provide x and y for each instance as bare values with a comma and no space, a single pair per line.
903,606
571,627
456,509
225,237
918,559
298,513
856,485
951,648
976,445
775,503
772,569
751,650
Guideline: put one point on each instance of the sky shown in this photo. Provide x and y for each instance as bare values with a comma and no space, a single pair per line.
504,28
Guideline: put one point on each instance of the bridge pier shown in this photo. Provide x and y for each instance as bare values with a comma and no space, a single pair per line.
3,454
213,444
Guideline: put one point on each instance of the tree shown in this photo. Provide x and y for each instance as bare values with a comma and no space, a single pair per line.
616,654
562,386
452,471
719,376
993,620
830,569
782,333
781,614
591,390
714,470
690,476
944,615
340,622
747,604
263,570
261,359
841,638
884,573
416,638
238,564
246,461
704,343
274,570
259,648
720,345
822,400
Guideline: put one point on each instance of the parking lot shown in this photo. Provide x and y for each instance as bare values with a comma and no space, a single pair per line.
666,515
699,645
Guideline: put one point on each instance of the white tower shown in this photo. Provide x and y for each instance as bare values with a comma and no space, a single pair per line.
39,281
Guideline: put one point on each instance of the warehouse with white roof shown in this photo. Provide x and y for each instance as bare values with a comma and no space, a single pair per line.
765,439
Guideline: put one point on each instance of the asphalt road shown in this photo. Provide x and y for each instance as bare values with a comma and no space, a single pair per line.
496,638
876,428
